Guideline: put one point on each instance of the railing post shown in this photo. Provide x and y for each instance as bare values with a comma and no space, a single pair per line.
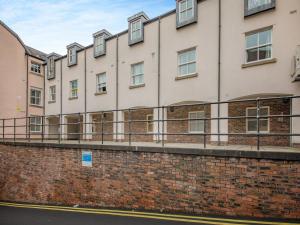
102,128
29,128
79,123
258,123
14,130
204,141
129,127
43,122
3,129
163,127
60,128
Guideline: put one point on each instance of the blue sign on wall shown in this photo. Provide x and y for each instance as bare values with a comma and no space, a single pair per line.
87,158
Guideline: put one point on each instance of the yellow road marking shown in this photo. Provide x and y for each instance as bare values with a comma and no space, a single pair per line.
173,217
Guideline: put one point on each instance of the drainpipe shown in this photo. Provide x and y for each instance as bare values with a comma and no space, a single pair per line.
61,105
158,78
219,68
85,96
27,90
117,87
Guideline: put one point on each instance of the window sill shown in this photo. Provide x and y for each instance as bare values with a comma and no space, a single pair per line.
136,86
35,73
258,63
186,76
36,106
73,98
51,102
100,93
73,64
186,23
200,132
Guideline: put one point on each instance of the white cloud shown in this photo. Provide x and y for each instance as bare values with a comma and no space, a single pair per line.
52,25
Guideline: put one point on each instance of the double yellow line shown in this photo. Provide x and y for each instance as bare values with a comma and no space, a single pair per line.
145,215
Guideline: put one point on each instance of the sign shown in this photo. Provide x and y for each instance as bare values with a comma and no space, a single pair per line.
87,159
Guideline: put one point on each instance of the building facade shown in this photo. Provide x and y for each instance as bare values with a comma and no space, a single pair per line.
22,82
201,52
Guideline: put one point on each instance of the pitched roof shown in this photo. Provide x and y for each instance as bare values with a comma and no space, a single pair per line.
28,50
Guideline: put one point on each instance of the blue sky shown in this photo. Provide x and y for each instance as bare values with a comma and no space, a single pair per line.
50,25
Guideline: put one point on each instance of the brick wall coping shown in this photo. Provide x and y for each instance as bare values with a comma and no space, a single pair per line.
268,155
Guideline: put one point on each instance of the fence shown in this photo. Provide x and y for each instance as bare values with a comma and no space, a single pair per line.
247,120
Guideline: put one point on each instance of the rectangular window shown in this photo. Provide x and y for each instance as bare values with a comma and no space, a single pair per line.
136,30
196,126
259,46
73,89
253,4
99,44
252,122
35,67
72,56
51,68
101,83
187,62
150,123
52,93
137,74
35,97
186,10
35,124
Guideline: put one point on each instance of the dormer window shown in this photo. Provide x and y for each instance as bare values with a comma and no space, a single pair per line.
72,56
72,53
136,28
51,65
186,11
257,6
100,42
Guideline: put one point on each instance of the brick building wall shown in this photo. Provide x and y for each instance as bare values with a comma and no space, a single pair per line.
276,125
176,127
108,119
137,127
155,179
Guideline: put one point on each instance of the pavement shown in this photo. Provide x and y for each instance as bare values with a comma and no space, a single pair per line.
26,214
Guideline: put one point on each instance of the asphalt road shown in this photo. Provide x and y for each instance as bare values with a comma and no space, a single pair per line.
18,214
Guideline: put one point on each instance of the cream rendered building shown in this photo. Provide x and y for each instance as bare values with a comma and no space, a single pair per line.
203,51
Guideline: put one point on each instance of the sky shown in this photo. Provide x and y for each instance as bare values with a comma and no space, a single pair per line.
51,25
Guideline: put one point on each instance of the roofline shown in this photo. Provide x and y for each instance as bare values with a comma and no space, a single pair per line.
15,35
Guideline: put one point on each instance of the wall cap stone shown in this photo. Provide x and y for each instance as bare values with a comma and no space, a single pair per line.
267,155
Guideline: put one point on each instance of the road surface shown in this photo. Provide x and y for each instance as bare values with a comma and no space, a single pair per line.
24,214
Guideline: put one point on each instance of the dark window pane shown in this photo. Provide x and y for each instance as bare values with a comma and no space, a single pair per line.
252,55
265,52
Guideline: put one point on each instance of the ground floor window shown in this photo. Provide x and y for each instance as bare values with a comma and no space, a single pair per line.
263,122
150,123
195,125
35,124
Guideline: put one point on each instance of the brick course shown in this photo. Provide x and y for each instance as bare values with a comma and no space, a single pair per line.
277,125
151,181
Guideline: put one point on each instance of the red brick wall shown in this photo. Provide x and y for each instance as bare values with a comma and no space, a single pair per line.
138,127
107,127
151,181
176,127
277,125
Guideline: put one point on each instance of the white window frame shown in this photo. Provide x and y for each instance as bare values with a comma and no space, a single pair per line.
184,11
179,65
35,67
150,122
36,98
258,45
72,56
100,85
258,5
52,95
99,44
132,30
190,121
136,75
73,90
247,119
35,124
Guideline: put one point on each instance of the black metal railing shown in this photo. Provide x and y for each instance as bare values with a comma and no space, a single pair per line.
104,128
